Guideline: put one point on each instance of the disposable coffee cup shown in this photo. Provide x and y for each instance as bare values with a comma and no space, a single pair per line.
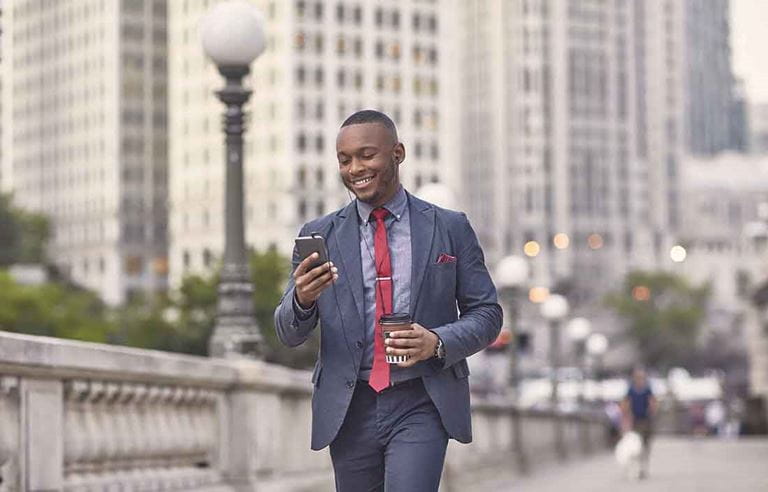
395,322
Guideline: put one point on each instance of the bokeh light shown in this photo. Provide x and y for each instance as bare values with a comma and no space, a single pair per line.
561,240
595,241
531,248
538,295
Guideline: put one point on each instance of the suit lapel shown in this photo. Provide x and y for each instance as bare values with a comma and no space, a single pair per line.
422,216
348,246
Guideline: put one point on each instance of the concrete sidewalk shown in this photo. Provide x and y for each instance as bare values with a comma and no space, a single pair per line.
677,464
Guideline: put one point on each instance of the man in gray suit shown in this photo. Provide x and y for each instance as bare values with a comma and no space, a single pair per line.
388,424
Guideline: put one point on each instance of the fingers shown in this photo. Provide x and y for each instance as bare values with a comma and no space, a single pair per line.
305,265
310,284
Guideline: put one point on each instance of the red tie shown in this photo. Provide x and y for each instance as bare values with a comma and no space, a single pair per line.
380,371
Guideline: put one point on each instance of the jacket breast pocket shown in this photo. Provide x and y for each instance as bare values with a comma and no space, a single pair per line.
442,279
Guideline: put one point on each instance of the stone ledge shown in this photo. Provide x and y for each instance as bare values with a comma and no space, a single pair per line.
37,356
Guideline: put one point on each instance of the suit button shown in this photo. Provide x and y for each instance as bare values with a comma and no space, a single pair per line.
350,384
359,344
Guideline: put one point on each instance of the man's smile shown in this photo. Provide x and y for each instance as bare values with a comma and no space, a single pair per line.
360,183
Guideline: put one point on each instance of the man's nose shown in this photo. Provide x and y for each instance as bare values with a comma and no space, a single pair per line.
356,166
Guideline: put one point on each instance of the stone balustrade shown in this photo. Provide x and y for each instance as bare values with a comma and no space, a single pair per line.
87,417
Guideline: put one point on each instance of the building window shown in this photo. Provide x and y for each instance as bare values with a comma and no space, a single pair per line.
301,143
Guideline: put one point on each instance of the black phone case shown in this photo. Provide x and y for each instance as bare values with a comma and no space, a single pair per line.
306,245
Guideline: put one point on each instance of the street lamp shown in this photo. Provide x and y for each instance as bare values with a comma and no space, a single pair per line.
511,275
233,36
577,330
554,309
597,345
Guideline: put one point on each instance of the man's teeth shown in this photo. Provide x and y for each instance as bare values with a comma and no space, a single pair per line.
362,181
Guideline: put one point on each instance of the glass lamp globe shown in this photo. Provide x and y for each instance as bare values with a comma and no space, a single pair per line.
578,329
555,307
511,271
232,33
597,344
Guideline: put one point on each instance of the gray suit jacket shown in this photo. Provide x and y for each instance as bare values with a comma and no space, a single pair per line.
456,300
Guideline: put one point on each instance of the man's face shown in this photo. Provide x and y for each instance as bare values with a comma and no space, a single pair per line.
368,157
639,378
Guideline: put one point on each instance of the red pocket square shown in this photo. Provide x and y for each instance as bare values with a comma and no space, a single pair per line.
446,258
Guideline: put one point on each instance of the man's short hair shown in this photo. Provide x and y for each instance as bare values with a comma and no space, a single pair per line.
371,116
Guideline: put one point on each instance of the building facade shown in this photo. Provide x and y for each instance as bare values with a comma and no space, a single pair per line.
572,120
712,96
324,60
85,139
725,233
758,128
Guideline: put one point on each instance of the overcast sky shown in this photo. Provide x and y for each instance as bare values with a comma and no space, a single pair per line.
749,43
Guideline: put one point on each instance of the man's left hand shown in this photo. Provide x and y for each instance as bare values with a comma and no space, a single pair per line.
418,342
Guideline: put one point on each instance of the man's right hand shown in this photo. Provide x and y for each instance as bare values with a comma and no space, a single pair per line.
310,283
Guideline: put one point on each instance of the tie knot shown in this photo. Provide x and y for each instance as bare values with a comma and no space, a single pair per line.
380,213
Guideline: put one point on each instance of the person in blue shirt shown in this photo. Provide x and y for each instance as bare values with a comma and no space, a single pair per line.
639,408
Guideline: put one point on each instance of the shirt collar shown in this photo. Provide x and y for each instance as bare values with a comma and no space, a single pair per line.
396,206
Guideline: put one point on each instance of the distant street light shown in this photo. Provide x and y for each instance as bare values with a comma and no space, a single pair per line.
233,36
578,329
677,254
597,346
511,276
554,309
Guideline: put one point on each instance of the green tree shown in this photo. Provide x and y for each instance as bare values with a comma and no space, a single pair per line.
663,315
54,310
23,235
183,321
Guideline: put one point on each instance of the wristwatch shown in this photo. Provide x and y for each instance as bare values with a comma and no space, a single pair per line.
440,349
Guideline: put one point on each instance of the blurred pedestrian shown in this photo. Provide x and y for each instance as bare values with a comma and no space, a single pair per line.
639,408
715,415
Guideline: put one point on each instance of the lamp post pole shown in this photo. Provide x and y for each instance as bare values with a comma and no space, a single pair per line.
554,309
578,330
232,35
236,328
511,275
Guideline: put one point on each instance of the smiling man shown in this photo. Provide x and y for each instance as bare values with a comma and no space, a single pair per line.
388,424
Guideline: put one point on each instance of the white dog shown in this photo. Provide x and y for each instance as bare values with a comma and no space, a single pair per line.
629,454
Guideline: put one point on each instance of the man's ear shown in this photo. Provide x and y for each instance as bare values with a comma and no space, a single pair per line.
399,152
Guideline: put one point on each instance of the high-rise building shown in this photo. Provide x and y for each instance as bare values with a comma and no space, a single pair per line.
3,171
758,128
84,140
324,60
572,131
725,234
571,119
711,89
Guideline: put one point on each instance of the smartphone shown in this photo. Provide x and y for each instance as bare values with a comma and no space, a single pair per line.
306,245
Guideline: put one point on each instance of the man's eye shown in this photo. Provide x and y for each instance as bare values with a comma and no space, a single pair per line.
369,156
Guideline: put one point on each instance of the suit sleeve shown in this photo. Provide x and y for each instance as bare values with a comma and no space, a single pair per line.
293,324
480,315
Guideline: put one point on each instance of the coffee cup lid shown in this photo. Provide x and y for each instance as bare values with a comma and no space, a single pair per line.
395,318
